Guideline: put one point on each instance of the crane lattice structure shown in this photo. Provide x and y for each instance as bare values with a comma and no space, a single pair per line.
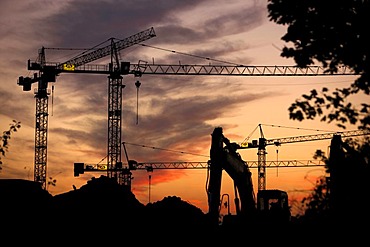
116,69
262,142
81,168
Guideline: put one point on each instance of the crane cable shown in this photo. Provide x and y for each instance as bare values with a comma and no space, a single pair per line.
297,128
191,55
137,84
52,100
249,136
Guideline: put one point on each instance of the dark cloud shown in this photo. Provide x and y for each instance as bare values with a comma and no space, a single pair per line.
15,108
83,23
182,120
242,20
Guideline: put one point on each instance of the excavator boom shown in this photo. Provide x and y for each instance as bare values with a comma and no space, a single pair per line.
271,205
226,158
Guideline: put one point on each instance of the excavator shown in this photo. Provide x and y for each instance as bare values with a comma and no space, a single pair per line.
270,206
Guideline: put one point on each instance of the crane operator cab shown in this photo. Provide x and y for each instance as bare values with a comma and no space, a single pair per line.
273,206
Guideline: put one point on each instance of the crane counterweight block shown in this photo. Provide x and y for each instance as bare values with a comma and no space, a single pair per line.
25,82
78,169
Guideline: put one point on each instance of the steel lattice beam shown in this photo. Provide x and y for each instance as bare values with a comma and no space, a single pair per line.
200,165
114,125
221,70
41,133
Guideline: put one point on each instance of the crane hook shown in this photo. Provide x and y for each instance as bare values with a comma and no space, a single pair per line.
137,84
52,100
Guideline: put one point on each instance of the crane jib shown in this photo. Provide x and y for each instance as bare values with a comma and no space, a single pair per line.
107,50
207,69
278,141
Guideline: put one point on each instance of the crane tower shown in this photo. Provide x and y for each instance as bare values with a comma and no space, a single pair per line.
47,72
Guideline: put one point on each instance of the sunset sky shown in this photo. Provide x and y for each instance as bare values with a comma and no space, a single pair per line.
176,114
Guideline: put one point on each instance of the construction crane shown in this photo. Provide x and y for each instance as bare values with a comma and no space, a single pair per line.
47,72
262,142
81,168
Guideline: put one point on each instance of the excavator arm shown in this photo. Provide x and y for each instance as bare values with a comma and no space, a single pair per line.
239,172
224,157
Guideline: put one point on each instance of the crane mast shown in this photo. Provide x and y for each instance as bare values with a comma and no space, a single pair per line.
115,87
46,74
41,124
114,127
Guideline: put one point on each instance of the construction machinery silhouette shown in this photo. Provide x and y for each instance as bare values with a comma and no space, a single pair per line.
116,69
224,157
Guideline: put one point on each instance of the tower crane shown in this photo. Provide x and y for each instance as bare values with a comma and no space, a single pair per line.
47,72
81,168
262,142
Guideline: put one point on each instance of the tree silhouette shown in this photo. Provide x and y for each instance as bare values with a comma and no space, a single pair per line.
330,33
354,186
4,144
316,204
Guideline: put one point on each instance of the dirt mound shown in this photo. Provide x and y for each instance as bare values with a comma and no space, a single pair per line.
22,196
172,211
101,204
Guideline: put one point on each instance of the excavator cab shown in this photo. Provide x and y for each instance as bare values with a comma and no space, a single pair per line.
272,206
